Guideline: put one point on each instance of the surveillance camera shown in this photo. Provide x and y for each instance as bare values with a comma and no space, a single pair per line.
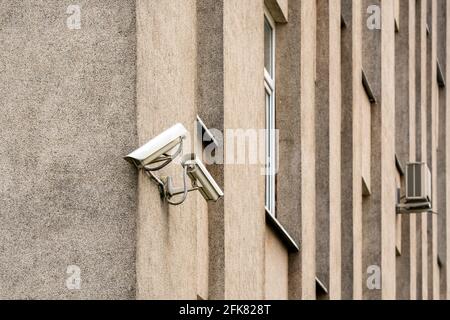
155,155
201,178
156,150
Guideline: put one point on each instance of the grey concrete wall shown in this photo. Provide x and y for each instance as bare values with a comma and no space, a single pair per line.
68,117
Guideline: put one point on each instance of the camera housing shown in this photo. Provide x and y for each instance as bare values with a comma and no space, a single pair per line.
155,151
201,178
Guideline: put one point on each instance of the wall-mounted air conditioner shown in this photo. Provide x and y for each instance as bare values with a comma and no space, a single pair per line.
418,190
418,183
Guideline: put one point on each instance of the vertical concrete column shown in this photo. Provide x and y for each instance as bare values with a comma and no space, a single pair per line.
210,97
244,213
288,104
447,157
372,215
388,194
166,261
421,145
420,35
323,143
402,74
403,138
296,114
328,146
441,146
351,204
379,220
435,292
307,123
423,137
412,142
229,99
335,86
429,130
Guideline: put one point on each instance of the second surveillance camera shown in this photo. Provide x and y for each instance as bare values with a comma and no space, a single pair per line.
201,178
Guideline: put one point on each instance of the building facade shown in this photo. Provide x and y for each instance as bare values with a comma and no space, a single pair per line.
346,93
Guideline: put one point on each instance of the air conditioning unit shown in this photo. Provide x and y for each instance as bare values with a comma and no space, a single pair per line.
418,184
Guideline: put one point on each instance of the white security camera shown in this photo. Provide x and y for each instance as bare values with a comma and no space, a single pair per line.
155,155
201,178
156,150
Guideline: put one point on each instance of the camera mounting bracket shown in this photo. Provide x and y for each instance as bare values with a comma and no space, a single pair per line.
167,189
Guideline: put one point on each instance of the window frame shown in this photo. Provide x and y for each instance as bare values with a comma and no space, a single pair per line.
270,120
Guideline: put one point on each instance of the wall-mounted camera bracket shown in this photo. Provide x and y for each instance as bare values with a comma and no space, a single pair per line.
424,207
167,189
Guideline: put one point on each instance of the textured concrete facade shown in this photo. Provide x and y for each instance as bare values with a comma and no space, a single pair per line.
361,90
68,116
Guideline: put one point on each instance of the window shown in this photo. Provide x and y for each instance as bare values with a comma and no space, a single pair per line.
269,84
